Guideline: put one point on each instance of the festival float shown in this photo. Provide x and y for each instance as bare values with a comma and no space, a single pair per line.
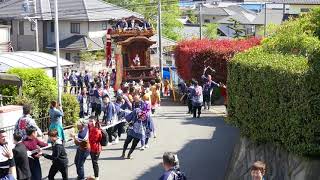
131,38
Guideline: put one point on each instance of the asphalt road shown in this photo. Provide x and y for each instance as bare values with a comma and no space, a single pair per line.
204,148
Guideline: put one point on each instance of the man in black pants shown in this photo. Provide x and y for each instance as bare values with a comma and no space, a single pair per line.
59,157
134,144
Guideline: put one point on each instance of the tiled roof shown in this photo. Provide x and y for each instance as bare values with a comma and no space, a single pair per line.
81,10
239,14
79,42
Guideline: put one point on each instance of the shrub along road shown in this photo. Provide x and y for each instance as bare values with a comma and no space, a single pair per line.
204,147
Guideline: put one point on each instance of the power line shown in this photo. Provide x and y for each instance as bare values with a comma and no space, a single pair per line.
115,7
11,4
93,10
75,12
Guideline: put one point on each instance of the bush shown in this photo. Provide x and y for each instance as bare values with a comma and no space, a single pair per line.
269,100
87,56
193,56
38,89
70,108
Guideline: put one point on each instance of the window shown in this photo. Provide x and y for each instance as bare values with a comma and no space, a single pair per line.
68,56
304,10
206,21
75,28
52,26
21,28
104,26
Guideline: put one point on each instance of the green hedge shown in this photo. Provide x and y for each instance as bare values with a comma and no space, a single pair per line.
70,108
269,100
38,89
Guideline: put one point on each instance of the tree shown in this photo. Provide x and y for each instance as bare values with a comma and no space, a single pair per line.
237,27
148,8
191,15
211,30
270,29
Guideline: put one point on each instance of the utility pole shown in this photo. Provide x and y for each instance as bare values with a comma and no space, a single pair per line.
200,20
265,20
58,69
36,25
159,39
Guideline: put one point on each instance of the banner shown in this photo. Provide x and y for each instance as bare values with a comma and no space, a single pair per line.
119,67
108,48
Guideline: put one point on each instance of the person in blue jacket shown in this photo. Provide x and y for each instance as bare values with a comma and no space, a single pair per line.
56,114
138,121
171,166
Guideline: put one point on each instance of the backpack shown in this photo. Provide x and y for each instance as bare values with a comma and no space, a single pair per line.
178,175
22,125
104,139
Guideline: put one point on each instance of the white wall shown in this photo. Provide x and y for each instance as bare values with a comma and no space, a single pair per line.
65,29
4,34
96,29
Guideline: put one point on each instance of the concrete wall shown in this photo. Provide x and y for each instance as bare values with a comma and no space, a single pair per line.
280,164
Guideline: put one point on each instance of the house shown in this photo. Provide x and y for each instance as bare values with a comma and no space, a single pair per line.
249,21
292,8
82,25
167,49
4,38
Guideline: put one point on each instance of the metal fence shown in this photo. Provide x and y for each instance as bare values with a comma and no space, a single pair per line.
6,100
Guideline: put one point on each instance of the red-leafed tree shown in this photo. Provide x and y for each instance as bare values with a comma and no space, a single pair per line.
192,56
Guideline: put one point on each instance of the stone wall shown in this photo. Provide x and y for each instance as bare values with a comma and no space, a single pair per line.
280,164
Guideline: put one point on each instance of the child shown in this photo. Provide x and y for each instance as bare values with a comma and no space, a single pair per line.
224,94
59,156
137,103
32,143
258,170
20,155
150,125
155,96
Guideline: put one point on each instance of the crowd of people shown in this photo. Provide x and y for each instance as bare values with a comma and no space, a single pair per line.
128,110
197,96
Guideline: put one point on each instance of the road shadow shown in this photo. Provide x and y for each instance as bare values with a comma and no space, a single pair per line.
203,159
